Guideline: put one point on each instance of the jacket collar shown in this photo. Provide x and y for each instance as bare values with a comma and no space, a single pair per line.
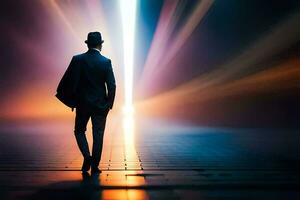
94,50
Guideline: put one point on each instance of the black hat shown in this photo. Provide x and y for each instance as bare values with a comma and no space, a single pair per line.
94,38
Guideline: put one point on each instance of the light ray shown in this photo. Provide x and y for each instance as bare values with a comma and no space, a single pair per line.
128,13
162,33
279,78
278,39
162,52
194,19
53,7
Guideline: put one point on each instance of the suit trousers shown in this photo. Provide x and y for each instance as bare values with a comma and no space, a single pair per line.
83,115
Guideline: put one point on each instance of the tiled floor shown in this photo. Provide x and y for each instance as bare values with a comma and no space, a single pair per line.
150,159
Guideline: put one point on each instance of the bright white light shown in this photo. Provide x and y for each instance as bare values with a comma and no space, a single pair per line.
128,13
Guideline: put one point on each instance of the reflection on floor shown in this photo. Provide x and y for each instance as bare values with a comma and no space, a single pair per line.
150,159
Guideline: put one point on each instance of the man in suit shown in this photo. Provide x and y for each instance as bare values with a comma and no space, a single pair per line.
89,85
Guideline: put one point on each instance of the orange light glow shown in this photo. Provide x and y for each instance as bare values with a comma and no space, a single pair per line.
124,194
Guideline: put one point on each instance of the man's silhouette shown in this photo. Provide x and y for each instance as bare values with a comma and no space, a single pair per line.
89,86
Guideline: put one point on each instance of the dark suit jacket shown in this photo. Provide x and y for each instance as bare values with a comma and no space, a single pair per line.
88,82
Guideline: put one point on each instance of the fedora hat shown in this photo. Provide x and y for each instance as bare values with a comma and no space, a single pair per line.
94,38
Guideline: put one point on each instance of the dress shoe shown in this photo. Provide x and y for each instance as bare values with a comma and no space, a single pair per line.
86,164
95,170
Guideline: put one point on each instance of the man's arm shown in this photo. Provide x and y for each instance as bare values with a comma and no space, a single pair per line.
65,81
111,85
66,90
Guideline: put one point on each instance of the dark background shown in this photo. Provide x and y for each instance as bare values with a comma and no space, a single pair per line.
36,50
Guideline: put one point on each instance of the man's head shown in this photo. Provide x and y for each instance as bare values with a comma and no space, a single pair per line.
94,40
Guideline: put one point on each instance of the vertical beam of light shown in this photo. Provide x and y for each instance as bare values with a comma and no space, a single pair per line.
128,14
130,153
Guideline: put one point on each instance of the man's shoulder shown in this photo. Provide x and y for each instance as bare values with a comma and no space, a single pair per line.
105,59
81,56
78,56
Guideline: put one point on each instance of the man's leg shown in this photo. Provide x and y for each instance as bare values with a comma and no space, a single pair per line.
98,123
81,120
